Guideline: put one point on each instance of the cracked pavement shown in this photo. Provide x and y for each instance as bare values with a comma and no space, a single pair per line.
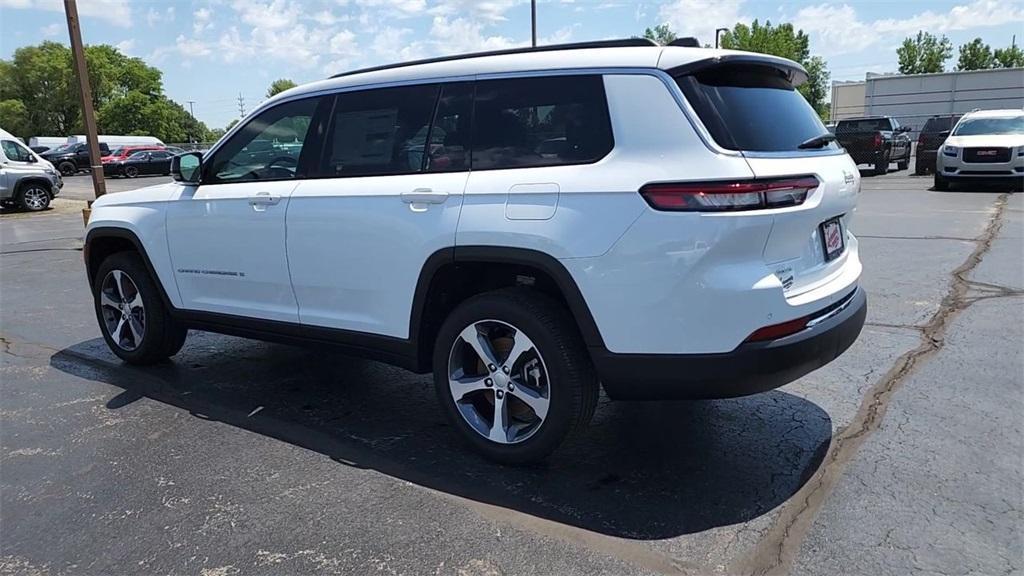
904,456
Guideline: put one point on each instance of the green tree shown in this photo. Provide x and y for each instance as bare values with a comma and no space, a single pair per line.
975,55
783,40
231,125
924,54
278,86
1012,57
661,34
14,118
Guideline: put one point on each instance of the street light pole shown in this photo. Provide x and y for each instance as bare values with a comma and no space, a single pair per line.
718,33
533,21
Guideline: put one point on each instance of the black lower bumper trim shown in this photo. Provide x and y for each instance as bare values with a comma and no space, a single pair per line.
751,368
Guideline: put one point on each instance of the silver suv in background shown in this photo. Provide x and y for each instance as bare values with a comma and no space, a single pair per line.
26,180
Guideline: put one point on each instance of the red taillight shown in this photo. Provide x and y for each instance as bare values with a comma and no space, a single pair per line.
729,196
778,330
878,140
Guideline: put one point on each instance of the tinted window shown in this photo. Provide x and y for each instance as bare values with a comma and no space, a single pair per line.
450,135
15,152
139,156
267,147
978,126
753,108
160,155
939,124
546,121
379,132
871,125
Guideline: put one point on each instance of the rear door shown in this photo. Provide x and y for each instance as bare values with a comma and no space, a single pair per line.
387,196
756,110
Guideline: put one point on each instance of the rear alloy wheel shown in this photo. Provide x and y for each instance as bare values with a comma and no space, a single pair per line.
131,314
131,171
513,375
33,197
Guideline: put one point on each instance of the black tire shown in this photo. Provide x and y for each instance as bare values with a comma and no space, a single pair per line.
162,337
571,380
941,183
903,164
33,197
67,168
130,171
882,164
919,169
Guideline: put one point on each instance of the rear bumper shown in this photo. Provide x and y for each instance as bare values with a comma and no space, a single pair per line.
749,369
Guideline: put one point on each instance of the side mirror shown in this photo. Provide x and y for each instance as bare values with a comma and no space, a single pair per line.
186,167
32,159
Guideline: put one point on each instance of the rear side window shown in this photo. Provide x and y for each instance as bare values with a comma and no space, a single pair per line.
379,132
752,108
544,121
939,124
868,125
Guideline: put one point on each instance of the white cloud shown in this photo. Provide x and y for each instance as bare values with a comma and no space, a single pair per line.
154,16
399,8
191,47
271,16
327,18
837,29
464,35
51,30
116,12
202,20
485,10
126,46
699,18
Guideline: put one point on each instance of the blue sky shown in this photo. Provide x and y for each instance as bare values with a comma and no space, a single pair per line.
212,50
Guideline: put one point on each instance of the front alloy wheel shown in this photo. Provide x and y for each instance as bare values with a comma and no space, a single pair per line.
124,314
34,198
498,381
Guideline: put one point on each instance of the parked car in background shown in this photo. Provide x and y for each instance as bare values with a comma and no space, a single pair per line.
39,149
142,163
675,244
50,142
934,132
987,145
72,158
875,140
26,180
124,152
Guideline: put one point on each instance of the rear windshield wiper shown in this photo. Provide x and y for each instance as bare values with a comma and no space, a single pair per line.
817,141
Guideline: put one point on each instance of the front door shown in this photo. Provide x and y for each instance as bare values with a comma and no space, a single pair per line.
227,235
388,197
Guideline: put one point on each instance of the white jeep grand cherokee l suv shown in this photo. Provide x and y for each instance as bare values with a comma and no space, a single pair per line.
667,222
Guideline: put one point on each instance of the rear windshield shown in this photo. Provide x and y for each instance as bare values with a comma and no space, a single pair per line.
752,108
868,125
978,126
939,124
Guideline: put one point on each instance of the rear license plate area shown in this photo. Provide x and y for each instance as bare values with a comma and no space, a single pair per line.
832,238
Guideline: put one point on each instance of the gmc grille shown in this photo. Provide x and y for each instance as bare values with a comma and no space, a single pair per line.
986,155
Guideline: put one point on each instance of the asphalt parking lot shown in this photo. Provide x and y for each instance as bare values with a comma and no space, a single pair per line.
904,456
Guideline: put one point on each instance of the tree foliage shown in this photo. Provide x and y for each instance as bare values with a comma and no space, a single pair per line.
975,55
924,54
127,95
1011,57
661,34
278,86
785,41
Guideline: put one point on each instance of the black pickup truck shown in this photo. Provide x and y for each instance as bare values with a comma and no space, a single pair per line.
71,158
876,140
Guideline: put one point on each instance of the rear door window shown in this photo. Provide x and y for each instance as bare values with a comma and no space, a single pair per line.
752,108
543,121
379,132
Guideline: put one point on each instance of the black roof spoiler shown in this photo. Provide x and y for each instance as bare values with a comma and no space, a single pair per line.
796,73
622,43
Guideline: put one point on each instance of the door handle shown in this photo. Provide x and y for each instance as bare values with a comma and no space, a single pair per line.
260,200
424,196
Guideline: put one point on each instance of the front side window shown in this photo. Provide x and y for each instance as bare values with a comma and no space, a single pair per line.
139,156
379,132
15,152
268,147
543,121
979,126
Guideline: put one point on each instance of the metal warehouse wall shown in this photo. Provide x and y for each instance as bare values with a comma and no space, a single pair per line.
847,100
914,98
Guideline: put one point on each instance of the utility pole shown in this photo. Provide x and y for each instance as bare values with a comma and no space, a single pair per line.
533,21
192,113
88,116
241,105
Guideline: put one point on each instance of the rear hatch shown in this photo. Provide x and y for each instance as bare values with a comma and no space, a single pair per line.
756,110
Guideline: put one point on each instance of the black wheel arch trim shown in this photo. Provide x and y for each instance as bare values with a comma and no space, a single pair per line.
124,234
44,182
